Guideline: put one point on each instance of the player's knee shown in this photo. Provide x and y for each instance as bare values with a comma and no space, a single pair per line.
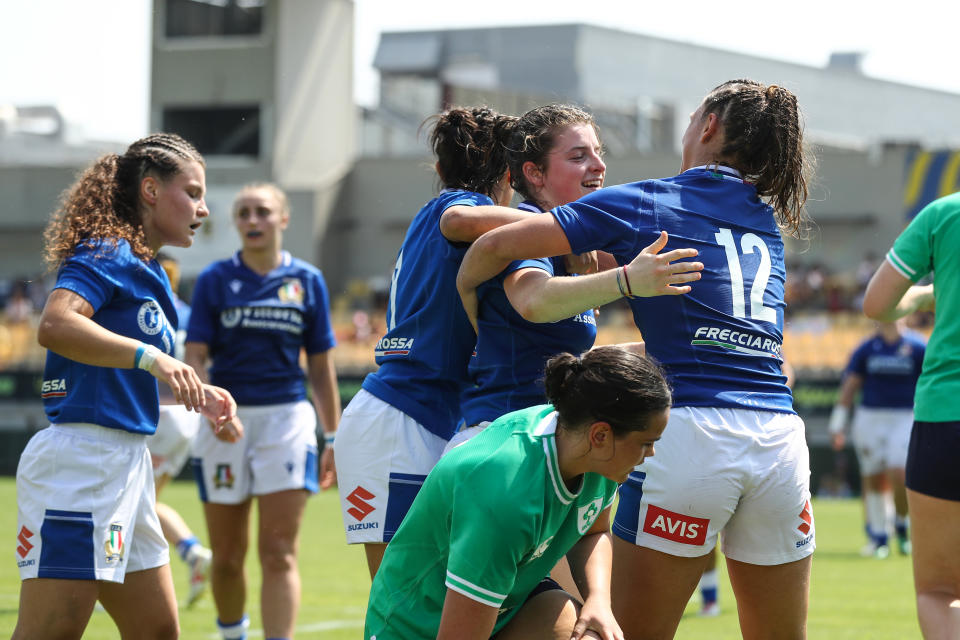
567,615
226,564
278,558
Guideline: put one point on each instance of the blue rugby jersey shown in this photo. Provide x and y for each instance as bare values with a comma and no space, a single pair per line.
721,343
507,368
255,326
889,371
131,298
424,354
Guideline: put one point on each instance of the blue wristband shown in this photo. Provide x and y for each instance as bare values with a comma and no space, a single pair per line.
329,438
136,358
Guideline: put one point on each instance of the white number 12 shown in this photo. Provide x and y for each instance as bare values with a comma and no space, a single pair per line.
749,243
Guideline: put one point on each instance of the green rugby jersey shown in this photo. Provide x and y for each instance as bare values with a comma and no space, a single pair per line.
931,243
492,519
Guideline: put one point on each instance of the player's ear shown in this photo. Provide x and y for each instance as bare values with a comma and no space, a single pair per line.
601,434
149,190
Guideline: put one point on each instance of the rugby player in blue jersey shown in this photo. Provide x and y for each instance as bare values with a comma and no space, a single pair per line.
252,316
884,368
395,429
734,458
87,526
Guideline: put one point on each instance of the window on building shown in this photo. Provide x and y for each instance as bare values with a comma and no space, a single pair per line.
200,18
217,131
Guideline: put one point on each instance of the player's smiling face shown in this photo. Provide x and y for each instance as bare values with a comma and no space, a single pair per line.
176,207
260,219
574,167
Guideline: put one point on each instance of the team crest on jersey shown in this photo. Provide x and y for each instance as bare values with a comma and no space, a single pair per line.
235,286
587,515
114,543
150,318
223,477
291,291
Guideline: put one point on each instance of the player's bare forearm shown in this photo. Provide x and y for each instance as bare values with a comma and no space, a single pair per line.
462,223
322,375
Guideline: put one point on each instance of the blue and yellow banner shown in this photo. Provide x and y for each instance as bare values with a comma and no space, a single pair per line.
929,175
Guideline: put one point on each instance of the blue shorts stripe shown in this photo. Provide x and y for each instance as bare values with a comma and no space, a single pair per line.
627,518
197,465
403,488
68,547
310,474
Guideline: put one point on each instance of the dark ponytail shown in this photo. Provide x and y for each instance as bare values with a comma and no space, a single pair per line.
470,144
608,384
763,138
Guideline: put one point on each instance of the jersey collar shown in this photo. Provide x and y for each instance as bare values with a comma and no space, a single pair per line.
721,171
528,205
547,430
285,259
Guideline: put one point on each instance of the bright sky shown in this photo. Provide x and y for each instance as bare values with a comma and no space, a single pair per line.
91,57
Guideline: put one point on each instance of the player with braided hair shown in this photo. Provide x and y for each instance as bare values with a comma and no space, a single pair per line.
735,458
88,529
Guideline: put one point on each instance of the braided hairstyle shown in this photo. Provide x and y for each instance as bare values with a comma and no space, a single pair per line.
470,144
763,138
104,203
608,384
534,137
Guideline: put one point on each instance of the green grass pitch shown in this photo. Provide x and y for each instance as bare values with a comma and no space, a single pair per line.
851,597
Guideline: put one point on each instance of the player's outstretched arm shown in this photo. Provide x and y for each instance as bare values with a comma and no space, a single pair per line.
538,236
462,223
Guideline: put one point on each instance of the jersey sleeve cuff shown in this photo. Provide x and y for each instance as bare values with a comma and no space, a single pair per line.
474,592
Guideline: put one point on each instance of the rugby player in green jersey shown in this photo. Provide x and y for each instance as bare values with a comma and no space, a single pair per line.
472,557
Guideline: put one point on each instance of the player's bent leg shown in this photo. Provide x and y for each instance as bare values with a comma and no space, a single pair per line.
54,608
644,612
549,615
772,600
125,604
374,552
228,527
936,564
280,516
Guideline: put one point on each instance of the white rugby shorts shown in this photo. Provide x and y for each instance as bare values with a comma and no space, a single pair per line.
881,438
278,452
170,445
85,505
383,456
743,472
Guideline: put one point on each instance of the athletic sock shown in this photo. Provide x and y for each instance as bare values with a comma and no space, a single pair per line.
708,586
184,546
234,630
876,508
900,526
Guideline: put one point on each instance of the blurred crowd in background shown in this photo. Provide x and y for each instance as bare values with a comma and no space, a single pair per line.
823,318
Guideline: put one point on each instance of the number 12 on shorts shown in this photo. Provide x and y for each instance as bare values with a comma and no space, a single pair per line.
749,243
